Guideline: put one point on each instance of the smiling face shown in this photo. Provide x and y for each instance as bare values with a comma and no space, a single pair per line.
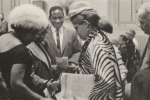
57,18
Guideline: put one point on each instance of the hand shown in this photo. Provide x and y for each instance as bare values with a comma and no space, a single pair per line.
53,86
47,99
73,68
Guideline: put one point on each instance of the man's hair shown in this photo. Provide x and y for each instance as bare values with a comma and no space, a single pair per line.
133,31
144,8
55,8
124,38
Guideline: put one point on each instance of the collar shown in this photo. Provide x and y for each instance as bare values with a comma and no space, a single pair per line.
54,29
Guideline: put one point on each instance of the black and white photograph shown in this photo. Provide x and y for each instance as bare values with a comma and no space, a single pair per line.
74,49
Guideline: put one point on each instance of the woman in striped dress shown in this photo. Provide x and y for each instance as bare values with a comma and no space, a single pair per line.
97,56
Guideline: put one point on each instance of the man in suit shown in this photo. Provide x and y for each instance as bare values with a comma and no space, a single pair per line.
140,87
123,48
60,41
3,25
130,46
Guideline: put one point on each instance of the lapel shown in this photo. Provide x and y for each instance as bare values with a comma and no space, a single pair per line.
38,53
65,39
50,40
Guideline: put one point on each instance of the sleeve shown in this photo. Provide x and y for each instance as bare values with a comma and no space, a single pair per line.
20,55
131,50
76,49
123,69
101,64
104,67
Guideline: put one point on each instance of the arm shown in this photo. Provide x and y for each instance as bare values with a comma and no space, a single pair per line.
131,50
77,47
17,83
123,69
4,28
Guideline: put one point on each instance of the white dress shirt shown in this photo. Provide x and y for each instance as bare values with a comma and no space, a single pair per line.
135,42
60,35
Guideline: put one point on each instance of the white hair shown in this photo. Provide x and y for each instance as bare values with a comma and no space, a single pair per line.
144,8
28,16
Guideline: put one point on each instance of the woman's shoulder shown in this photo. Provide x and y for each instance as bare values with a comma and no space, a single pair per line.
8,42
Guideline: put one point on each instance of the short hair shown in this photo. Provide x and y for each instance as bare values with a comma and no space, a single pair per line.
124,38
28,17
55,8
144,8
133,31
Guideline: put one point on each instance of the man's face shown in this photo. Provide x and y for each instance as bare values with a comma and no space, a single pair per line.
130,35
121,42
57,18
145,23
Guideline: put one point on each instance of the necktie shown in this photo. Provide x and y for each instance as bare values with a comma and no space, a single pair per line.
58,42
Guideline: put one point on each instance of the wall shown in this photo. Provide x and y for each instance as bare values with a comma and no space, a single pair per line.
105,9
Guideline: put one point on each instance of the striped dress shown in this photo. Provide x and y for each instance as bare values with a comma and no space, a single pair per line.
98,58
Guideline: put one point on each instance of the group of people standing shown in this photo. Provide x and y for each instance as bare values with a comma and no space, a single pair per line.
28,55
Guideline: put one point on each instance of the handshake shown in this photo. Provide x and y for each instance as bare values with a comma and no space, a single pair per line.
63,65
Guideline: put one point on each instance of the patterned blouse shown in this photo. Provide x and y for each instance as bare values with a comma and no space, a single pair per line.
98,58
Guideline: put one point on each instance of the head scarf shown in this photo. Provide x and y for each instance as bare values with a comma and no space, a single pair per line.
78,7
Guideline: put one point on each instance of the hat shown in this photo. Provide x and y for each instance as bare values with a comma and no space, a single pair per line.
28,16
78,7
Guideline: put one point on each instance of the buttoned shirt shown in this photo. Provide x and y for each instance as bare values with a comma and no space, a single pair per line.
54,31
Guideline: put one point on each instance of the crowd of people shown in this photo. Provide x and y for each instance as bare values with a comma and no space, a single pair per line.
30,55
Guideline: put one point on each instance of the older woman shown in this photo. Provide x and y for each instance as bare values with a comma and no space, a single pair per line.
15,62
97,56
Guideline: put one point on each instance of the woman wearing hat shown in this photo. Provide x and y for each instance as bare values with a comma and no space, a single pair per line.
97,56
15,60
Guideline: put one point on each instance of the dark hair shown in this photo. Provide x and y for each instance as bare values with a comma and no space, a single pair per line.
93,19
20,30
55,8
124,38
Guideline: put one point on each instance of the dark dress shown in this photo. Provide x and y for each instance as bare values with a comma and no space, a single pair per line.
124,54
16,55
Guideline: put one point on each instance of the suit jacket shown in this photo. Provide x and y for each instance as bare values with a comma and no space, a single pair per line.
124,53
41,69
3,27
146,59
130,49
70,47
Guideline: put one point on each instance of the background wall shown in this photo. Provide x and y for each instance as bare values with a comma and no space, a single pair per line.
121,13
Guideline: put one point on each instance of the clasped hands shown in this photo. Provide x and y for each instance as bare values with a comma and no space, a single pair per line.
52,86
